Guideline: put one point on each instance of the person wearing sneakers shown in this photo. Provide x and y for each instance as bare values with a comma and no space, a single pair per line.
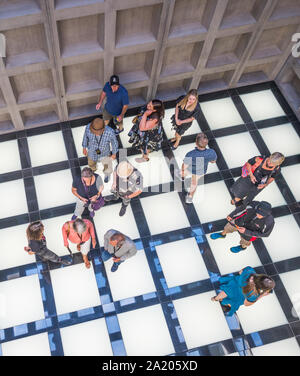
254,221
87,189
195,163
37,244
98,141
127,184
117,102
80,232
119,247
244,289
257,174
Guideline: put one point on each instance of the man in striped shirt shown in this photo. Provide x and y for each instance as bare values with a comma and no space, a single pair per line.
100,144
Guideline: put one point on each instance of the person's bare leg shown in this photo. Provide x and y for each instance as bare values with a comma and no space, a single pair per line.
219,297
86,261
177,138
194,185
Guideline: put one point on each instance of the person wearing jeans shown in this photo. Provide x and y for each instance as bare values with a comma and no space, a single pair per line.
117,246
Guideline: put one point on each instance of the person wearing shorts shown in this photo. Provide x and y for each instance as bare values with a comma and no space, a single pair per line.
80,232
116,105
195,163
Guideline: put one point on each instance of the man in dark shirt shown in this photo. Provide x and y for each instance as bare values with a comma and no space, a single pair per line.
116,102
254,221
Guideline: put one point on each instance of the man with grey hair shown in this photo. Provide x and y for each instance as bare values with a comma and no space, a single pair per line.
80,232
257,173
117,246
127,184
87,189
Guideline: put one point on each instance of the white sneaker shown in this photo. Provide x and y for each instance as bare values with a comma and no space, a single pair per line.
188,199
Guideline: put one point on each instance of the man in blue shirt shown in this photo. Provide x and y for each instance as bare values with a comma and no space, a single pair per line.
100,144
116,102
196,163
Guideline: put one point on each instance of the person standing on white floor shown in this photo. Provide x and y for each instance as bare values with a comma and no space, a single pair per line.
119,247
195,163
80,232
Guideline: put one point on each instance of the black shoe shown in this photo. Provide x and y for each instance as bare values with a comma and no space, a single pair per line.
123,210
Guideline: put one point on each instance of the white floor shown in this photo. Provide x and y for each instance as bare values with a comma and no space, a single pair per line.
175,272
83,339
79,291
15,199
262,105
145,330
9,157
140,330
221,113
282,138
47,148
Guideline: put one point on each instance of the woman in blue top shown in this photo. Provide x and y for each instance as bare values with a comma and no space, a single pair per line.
243,289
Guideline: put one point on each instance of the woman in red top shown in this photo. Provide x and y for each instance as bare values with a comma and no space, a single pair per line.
80,232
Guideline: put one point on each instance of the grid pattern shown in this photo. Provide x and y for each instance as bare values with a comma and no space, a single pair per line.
60,53
158,302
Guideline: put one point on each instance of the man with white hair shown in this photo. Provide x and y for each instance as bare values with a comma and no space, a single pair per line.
127,184
80,232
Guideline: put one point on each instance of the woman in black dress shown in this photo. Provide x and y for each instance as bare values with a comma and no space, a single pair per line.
37,244
187,109
147,132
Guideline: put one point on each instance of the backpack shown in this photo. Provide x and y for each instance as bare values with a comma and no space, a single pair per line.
245,172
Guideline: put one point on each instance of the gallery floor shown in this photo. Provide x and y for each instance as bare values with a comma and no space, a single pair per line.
158,302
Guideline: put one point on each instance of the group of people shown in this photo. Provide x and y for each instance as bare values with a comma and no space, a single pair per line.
251,219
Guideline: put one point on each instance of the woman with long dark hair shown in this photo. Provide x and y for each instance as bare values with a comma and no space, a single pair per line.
245,289
147,133
187,109
37,244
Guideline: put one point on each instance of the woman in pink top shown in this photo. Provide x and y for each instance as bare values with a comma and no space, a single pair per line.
80,232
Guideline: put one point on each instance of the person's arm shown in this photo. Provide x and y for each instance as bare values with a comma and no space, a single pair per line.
189,120
92,233
106,240
131,252
74,191
65,235
114,145
101,99
114,185
100,187
85,141
122,114
146,125
177,113
136,193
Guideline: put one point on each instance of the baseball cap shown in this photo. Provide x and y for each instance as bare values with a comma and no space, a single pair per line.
264,208
114,80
